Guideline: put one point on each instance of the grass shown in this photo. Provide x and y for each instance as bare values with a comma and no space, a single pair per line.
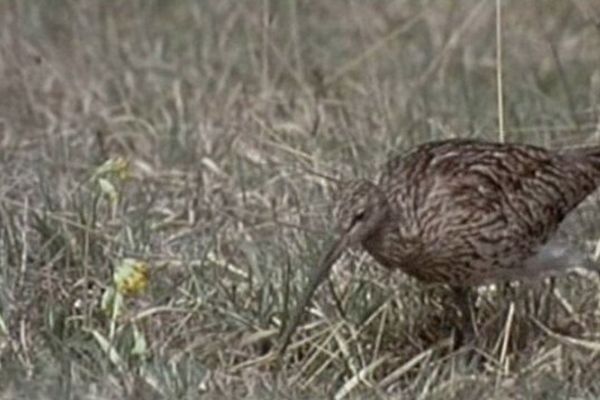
221,120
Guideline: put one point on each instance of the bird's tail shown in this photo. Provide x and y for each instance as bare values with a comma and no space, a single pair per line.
584,158
587,152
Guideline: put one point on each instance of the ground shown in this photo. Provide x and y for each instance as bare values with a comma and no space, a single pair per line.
165,190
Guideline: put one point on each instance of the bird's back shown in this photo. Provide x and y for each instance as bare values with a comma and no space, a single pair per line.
465,212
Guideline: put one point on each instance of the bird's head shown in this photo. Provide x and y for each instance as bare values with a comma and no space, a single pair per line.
360,210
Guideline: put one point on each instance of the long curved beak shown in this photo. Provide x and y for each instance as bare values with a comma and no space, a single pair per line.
315,279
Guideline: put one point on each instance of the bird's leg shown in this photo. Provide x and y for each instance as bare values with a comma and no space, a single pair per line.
547,315
466,328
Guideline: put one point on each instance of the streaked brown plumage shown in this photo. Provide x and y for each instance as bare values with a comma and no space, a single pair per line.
462,212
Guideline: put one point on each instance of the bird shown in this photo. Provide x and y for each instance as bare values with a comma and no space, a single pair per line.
460,212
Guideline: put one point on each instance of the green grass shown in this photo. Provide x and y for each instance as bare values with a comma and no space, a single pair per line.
229,113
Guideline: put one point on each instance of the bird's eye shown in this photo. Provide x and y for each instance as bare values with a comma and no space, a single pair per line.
359,216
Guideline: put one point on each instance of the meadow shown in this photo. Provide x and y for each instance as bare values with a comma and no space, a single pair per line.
165,190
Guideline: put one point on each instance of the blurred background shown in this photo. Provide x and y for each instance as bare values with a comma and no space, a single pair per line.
164,193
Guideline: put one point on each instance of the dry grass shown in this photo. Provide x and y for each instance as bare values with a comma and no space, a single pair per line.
225,110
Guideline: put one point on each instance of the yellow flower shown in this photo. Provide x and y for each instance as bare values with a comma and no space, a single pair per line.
121,168
117,166
131,277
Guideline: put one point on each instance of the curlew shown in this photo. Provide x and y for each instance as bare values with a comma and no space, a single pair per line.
462,213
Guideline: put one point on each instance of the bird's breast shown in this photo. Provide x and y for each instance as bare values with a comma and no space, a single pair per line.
396,251
448,258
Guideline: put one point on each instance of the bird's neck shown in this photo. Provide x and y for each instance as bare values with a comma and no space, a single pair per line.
379,228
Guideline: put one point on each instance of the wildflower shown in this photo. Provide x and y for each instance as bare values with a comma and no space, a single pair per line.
131,277
117,166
